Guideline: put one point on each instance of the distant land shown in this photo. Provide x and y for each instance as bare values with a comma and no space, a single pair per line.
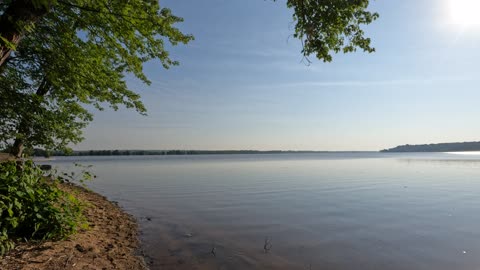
438,147
43,153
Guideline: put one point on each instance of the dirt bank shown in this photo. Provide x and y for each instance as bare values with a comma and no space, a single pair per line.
110,242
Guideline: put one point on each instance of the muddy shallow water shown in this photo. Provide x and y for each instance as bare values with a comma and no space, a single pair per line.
317,211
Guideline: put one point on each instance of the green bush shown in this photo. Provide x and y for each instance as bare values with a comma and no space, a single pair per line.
33,207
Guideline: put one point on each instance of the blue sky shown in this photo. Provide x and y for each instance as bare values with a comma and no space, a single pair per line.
241,84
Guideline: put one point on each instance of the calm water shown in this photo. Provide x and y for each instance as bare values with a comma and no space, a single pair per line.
320,211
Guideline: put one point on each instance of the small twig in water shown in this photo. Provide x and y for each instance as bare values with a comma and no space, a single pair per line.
267,245
309,267
214,250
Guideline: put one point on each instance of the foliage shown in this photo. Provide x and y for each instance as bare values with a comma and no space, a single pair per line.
32,206
326,26
78,57
35,119
17,18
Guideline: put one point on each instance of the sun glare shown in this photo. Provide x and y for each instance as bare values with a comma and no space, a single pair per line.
464,13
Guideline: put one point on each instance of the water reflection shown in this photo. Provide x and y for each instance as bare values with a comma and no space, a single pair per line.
462,162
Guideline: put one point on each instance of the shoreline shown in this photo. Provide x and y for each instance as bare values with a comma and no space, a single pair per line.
110,242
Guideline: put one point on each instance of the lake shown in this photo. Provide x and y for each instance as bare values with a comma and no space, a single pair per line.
311,211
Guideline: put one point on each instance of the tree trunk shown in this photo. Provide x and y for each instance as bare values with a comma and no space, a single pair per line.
17,148
19,15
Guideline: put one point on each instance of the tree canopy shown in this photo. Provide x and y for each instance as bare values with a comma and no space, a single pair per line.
71,53
79,54
326,26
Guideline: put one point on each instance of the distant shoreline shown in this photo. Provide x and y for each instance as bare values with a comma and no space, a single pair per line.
438,147
423,148
42,153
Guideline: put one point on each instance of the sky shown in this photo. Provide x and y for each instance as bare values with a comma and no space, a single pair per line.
241,83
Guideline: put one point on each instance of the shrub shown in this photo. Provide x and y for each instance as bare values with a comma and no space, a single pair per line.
33,207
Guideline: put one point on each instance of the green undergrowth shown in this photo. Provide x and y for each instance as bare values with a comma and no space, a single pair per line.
33,207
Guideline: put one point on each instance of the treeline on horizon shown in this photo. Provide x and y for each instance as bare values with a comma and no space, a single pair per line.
44,153
438,147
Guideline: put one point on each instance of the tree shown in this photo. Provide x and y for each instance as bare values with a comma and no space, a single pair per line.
80,52
16,18
79,55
